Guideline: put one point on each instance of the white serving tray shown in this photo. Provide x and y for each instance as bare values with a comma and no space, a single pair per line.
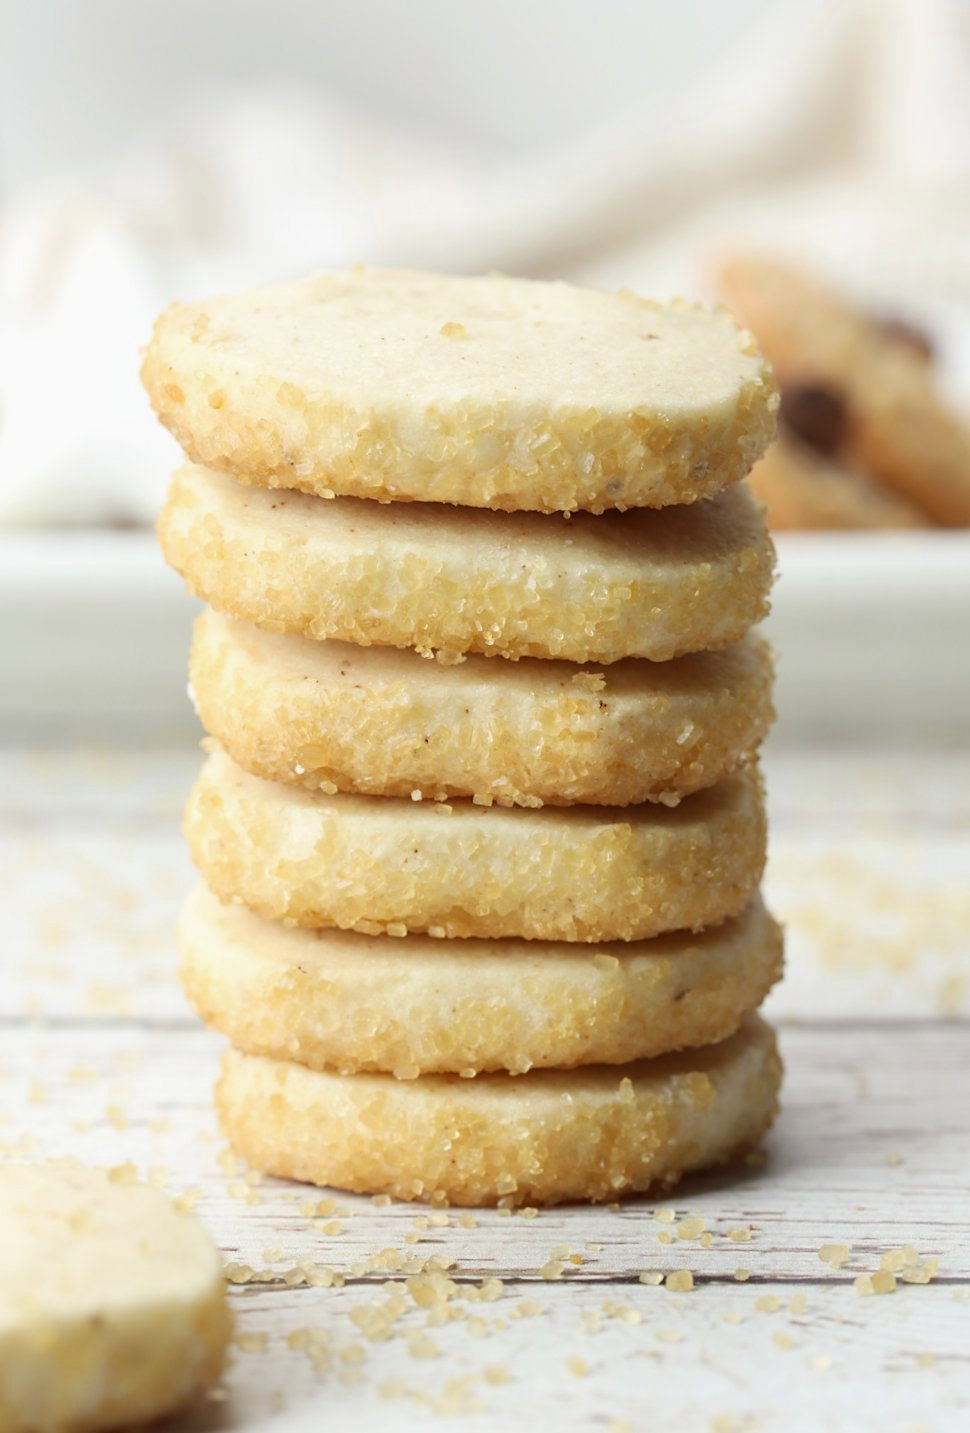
872,634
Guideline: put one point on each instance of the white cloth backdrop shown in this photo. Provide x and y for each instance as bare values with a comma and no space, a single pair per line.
846,142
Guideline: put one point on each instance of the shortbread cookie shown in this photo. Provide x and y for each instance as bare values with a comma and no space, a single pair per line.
112,1304
338,1000
893,423
802,488
488,392
383,722
374,864
588,589
594,1133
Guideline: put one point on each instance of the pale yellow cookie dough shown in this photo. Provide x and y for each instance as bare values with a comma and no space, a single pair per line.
112,1303
338,1000
586,873
551,1135
488,392
386,722
588,589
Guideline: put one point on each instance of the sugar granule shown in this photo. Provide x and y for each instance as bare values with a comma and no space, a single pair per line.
679,1281
691,1228
256,1342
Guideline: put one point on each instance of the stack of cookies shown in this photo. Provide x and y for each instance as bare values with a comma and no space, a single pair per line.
481,828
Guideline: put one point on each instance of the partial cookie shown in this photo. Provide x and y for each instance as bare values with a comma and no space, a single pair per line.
588,589
551,1135
803,489
112,1304
348,1002
382,722
377,864
893,424
488,392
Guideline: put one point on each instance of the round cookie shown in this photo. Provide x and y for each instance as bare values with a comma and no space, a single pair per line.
895,425
541,1138
804,490
338,1000
113,1308
587,589
384,722
374,864
487,392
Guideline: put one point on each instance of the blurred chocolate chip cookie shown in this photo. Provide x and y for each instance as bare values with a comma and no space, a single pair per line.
866,439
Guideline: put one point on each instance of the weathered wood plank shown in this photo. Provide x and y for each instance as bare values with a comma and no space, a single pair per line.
596,1345
871,1150
656,1362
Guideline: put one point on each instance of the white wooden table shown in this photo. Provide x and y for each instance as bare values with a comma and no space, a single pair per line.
870,867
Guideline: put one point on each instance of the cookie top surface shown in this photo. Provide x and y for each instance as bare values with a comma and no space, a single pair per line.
489,392
113,1308
79,1241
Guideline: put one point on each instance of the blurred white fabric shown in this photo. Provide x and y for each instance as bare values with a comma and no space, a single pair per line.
844,141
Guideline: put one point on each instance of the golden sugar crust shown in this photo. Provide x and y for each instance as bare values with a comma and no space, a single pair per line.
386,722
375,864
551,1135
342,1001
453,580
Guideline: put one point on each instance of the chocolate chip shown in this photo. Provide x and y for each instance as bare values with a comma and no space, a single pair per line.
900,330
815,414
